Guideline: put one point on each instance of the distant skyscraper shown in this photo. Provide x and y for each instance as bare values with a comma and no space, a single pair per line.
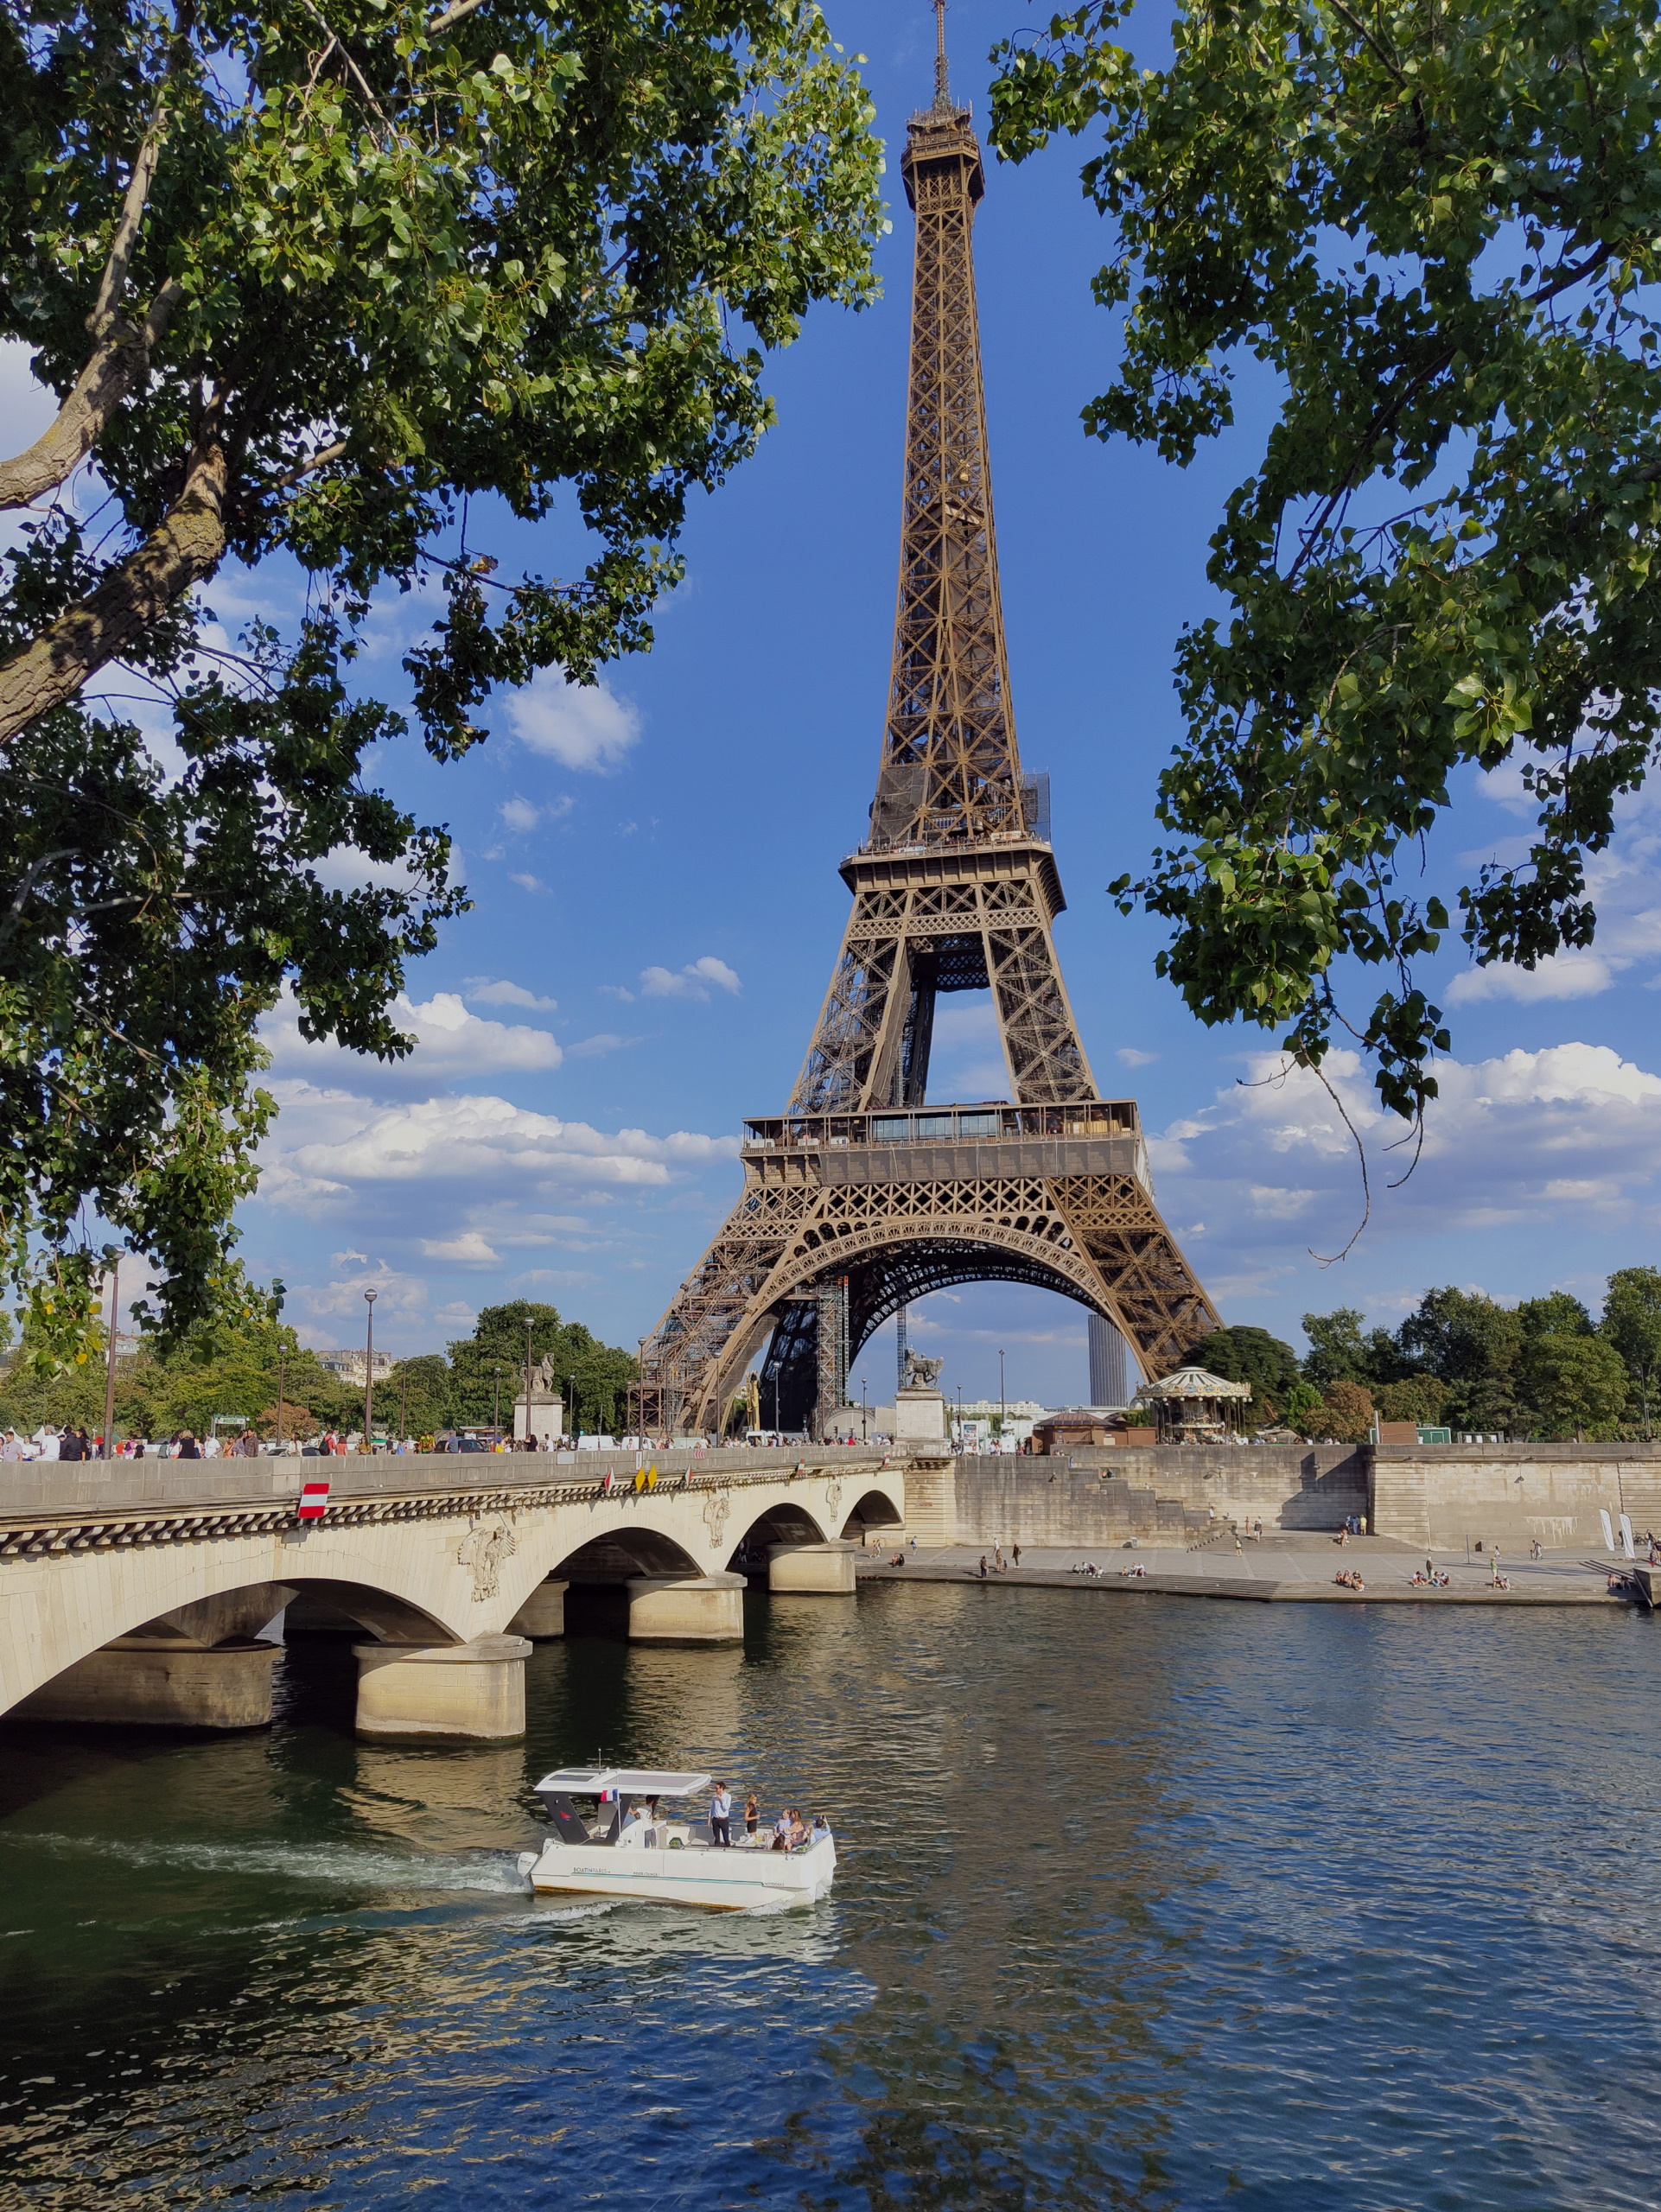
1110,1379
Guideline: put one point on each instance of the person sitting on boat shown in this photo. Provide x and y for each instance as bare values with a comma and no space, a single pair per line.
796,1835
821,1829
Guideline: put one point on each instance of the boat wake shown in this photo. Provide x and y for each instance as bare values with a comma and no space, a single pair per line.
329,1866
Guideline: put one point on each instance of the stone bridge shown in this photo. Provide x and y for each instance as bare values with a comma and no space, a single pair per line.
153,1591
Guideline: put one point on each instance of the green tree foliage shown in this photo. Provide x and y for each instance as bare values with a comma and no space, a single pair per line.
1632,1323
1418,1398
1438,227
1244,1354
417,1395
1303,1402
333,285
1346,1414
227,1366
1559,1313
1578,1385
1472,1345
1338,1352
594,1377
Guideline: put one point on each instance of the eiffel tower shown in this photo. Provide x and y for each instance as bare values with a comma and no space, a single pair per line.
861,1195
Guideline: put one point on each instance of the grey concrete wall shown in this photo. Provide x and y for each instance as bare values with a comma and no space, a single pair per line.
1104,1495
1510,1495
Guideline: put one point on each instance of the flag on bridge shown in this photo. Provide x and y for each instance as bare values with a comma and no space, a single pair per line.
313,1501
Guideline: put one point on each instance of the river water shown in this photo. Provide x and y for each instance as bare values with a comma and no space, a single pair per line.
1142,1903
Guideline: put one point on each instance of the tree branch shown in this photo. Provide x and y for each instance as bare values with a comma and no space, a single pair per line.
452,15
121,361
187,546
121,358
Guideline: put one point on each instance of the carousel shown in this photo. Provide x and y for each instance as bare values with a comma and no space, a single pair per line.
1195,1406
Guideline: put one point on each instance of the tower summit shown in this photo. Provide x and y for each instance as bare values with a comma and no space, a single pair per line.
862,1195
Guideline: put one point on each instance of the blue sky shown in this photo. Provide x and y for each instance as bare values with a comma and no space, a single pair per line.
657,906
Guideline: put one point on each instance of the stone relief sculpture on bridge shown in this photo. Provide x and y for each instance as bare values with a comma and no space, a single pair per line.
482,1550
716,1510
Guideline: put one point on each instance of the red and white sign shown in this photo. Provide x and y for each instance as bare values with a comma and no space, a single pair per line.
313,1501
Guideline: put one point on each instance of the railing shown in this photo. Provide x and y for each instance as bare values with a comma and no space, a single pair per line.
107,1502
992,1120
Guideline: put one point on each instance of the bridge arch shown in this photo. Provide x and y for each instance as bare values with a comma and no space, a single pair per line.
876,1509
788,1522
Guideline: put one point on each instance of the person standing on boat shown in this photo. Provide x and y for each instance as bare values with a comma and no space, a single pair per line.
752,1815
720,1815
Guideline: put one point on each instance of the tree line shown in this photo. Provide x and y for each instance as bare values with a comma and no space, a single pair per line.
235,1367
1543,1368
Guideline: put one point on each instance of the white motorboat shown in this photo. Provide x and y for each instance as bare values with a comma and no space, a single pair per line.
630,1846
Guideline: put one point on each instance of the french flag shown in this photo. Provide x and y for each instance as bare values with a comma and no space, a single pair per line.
313,1501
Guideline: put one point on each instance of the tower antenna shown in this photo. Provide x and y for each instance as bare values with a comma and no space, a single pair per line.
942,87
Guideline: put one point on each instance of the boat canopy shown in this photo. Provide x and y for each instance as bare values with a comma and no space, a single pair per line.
627,1780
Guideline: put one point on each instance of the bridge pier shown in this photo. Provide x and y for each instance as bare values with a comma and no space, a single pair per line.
542,1617
826,1569
686,1608
161,1682
472,1690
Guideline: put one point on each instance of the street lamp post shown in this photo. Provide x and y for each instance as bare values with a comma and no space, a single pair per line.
639,1395
1002,1408
280,1348
571,1381
530,1430
402,1400
109,1376
496,1404
864,1413
370,1297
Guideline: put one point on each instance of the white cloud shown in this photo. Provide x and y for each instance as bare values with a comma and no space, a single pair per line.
593,1048
616,991
1571,974
469,1250
1128,1057
1270,1202
529,882
518,814
488,992
327,1144
450,1041
689,983
1544,1137
581,726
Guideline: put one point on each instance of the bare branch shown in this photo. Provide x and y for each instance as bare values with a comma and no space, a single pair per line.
186,546
35,868
319,460
452,15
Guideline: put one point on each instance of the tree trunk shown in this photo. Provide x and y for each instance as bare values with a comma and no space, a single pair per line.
188,545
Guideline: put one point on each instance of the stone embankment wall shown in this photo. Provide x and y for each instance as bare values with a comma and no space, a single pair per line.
1439,1496
1511,1494
1172,1494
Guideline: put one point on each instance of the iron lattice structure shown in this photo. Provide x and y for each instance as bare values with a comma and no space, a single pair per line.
860,1197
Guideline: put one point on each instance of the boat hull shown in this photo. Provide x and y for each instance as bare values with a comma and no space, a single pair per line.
728,1881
